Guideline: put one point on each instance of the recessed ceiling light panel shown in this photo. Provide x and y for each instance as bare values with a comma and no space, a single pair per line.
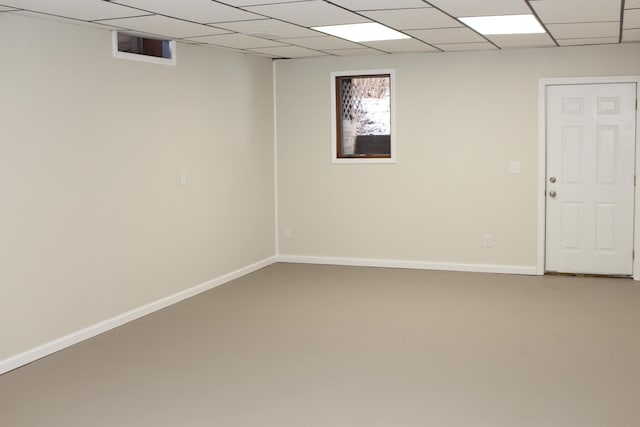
504,24
362,32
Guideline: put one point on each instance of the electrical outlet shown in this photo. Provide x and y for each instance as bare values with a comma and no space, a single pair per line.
486,240
515,167
286,232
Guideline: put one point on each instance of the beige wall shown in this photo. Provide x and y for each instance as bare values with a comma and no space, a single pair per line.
93,219
461,117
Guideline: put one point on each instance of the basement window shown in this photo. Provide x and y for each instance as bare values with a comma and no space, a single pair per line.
144,48
362,116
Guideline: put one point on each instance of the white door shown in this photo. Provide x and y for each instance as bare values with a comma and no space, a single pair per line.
590,178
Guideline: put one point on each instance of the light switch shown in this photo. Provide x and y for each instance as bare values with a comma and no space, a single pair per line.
515,167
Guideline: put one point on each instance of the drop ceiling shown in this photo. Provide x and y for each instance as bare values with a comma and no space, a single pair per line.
282,29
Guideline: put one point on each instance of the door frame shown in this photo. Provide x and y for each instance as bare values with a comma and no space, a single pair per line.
542,160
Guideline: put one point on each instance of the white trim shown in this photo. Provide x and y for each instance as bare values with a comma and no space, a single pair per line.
363,160
106,325
415,265
542,159
392,100
542,174
143,58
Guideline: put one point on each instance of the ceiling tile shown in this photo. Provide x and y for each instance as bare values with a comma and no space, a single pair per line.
396,46
289,52
354,52
460,8
309,13
632,4
212,46
459,47
322,43
237,41
269,28
587,41
167,27
202,11
86,10
91,24
631,35
632,18
581,30
447,35
522,40
561,11
380,4
405,19
252,2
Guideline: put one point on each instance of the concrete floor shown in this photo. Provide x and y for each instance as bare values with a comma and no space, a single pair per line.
307,345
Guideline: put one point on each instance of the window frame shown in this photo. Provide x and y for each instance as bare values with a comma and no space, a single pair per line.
364,159
140,57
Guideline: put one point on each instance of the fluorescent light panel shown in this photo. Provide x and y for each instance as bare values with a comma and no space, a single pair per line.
362,32
504,24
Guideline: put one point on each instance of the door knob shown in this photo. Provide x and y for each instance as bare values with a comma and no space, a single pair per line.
552,180
553,193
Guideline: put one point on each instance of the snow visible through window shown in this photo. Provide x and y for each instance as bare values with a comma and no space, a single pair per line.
376,116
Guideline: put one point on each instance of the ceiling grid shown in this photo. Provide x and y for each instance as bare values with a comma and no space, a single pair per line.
283,28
